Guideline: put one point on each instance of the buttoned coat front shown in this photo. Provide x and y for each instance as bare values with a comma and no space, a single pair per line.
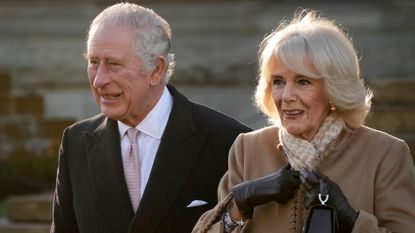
91,195
374,170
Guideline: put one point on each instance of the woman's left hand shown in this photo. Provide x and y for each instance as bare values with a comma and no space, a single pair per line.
346,215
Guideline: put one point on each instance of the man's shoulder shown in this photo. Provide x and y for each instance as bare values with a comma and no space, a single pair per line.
214,118
206,116
88,124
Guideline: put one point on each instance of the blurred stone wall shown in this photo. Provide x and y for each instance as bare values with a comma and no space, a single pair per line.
43,84
215,43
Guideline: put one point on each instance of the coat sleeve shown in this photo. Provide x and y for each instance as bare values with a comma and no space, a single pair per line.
210,220
63,217
394,194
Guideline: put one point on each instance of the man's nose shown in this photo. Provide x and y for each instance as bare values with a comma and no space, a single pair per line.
101,76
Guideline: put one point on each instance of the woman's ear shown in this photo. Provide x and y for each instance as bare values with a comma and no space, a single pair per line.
158,72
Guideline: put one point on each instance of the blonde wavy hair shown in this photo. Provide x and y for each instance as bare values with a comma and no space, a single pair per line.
312,39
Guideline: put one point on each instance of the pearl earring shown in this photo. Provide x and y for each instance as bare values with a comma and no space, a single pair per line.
333,107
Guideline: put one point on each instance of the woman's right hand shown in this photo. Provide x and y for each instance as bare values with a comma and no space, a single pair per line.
279,186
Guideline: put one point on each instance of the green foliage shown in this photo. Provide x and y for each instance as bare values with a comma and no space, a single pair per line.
25,175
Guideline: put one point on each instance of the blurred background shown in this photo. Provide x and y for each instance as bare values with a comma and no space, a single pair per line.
43,83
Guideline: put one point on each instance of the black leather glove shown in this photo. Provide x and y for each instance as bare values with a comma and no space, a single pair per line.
346,215
279,186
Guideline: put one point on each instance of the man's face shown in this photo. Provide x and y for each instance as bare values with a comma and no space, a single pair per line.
120,87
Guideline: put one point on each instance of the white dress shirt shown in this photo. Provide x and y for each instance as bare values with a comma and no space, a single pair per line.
150,131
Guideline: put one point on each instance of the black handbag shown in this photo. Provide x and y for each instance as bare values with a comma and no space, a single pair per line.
321,218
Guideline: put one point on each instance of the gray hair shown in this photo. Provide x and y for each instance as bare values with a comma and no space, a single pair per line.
317,48
153,33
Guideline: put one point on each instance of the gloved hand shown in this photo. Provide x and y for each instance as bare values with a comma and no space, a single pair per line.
346,215
279,186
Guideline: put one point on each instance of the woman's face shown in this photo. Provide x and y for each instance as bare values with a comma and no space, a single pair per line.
301,102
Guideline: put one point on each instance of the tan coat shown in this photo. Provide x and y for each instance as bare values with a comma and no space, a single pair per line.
374,170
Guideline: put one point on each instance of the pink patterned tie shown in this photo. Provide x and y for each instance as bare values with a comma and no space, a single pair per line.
132,165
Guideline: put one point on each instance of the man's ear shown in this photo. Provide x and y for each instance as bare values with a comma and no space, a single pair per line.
159,71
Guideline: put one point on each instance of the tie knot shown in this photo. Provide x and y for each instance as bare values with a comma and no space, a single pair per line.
132,135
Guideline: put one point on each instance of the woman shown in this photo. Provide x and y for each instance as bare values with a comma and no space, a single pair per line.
309,86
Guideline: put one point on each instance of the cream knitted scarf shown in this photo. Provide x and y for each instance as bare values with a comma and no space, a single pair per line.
310,155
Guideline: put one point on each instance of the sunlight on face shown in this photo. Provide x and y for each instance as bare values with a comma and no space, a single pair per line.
301,101
115,75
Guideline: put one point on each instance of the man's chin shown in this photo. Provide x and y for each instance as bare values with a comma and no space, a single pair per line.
111,114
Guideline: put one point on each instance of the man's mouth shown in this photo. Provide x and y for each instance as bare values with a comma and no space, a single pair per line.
110,97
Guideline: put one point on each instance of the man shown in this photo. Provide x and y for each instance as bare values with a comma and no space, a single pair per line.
180,152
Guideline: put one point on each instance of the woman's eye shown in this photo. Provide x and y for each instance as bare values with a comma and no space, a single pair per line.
277,82
304,82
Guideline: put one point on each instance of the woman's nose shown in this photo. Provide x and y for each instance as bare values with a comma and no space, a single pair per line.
289,93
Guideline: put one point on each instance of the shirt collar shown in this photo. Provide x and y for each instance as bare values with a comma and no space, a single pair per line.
156,120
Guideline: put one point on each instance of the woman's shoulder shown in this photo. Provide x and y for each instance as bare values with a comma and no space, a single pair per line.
264,138
377,142
256,152
376,135
267,132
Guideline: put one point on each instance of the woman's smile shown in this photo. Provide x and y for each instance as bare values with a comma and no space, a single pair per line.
301,101
293,114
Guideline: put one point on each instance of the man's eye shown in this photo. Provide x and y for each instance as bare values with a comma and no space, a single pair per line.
114,64
93,62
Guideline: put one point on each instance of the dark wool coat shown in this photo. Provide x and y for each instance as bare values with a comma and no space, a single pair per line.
91,195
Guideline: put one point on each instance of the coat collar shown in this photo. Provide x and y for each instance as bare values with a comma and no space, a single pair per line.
180,145
106,173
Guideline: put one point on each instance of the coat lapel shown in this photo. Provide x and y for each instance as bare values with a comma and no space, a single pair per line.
106,172
180,145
